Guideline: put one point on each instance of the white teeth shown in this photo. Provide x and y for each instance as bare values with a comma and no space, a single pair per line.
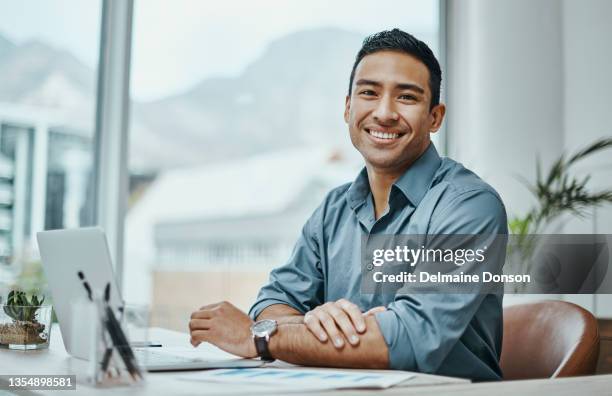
384,135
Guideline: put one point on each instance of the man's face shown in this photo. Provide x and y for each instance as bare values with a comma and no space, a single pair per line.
388,110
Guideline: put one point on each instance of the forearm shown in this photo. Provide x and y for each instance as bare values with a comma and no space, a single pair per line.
294,343
283,314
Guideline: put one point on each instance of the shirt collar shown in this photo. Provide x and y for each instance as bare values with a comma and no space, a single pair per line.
414,183
358,190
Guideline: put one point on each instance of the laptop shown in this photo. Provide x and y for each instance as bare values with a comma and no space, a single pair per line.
65,253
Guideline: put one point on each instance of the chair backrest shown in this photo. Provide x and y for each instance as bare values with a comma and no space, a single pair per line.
548,339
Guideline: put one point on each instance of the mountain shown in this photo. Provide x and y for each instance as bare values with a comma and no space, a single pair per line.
5,47
291,95
288,97
39,75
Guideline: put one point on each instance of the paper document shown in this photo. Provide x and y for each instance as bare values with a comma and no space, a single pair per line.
204,351
300,379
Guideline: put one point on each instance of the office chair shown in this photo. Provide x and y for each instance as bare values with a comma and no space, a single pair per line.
548,339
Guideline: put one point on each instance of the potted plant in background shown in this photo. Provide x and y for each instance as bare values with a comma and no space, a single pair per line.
557,193
25,323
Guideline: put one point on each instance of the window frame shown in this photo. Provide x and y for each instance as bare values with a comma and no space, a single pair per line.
111,126
112,120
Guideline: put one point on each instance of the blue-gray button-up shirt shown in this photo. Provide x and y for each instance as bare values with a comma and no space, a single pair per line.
449,334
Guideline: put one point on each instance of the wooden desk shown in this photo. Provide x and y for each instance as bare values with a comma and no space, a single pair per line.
56,361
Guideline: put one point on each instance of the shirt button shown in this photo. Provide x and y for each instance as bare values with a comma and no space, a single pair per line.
369,267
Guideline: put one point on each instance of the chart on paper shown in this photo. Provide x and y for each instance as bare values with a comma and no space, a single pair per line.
304,378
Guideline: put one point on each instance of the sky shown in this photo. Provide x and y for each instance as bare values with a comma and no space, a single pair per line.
70,24
178,43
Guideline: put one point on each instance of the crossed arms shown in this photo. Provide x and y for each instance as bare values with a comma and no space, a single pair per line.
345,337
297,343
421,332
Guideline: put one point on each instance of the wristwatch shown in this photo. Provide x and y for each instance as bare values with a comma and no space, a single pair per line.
262,330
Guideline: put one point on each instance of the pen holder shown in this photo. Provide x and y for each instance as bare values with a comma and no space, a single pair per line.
135,322
111,360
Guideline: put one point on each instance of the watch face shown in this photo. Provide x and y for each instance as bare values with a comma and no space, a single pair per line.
264,327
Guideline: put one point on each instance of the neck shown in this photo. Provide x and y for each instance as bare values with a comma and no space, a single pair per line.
381,181
380,185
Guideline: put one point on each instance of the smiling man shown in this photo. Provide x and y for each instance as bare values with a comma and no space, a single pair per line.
312,311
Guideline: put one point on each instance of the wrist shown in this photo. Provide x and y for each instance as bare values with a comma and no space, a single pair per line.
262,332
283,343
251,349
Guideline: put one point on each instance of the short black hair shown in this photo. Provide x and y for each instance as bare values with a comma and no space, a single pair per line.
400,41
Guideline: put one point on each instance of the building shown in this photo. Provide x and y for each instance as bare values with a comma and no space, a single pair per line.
229,224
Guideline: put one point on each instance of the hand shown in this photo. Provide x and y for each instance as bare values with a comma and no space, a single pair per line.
223,325
334,319
374,310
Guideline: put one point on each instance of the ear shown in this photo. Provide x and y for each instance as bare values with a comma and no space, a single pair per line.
437,116
347,108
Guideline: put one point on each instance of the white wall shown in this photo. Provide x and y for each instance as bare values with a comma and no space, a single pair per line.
587,58
527,78
505,89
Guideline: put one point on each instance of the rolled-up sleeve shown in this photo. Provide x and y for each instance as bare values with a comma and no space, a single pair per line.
421,330
299,282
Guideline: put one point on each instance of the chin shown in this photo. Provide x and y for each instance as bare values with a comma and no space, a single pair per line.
384,163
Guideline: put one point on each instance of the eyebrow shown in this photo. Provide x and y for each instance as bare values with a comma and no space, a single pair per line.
408,86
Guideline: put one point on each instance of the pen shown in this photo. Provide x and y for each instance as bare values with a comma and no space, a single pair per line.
106,359
145,344
121,343
85,285
118,338
107,292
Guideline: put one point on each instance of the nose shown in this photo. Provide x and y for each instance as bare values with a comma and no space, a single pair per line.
385,112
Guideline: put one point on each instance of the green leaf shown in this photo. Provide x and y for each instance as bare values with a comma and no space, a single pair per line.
558,192
594,147
19,307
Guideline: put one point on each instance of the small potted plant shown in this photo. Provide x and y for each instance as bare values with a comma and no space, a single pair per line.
25,323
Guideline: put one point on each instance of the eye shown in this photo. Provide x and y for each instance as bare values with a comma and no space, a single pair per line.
367,92
407,97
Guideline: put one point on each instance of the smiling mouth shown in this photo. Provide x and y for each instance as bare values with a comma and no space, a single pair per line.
384,135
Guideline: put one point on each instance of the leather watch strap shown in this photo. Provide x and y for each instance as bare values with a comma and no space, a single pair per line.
261,345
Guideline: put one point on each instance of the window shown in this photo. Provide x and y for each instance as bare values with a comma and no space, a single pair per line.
48,60
236,135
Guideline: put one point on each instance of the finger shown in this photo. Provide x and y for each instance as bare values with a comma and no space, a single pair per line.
354,314
375,310
330,327
344,323
209,306
199,324
198,337
202,314
313,324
